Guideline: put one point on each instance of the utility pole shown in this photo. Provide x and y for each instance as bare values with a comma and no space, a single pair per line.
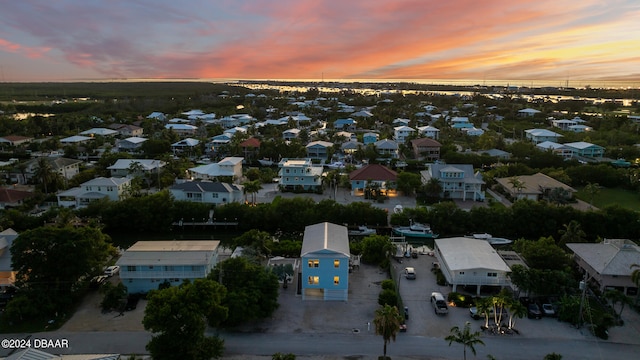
583,287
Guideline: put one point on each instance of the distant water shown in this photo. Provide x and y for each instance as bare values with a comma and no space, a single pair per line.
600,84
581,83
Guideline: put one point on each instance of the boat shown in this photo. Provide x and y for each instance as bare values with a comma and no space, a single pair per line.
338,165
490,239
416,230
499,241
362,231
265,162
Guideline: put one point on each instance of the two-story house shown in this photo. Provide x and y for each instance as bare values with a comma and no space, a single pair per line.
387,148
608,263
426,149
130,144
128,130
370,138
250,148
471,262
375,175
458,181
147,264
290,134
299,174
537,136
207,192
182,129
429,131
136,167
99,188
319,150
65,167
325,262
227,167
345,124
401,133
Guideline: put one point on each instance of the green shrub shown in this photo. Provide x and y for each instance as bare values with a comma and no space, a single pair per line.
388,284
388,297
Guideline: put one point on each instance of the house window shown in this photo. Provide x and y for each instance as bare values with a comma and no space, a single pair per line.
314,263
286,171
492,274
336,263
131,268
150,267
336,280
168,268
214,195
314,280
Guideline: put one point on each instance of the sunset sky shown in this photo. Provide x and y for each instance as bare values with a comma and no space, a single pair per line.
310,39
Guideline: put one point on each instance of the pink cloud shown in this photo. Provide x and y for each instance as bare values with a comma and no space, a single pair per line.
30,52
302,39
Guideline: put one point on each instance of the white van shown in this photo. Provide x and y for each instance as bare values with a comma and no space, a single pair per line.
439,303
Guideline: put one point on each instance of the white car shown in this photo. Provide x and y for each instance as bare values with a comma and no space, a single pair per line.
439,303
112,270
410,273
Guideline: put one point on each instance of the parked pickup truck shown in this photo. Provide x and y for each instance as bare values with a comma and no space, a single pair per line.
439,303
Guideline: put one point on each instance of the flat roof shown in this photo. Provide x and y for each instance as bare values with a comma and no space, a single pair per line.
461,253
175,245
158,253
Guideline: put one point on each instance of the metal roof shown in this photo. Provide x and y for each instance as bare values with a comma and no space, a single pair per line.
325,237
462,253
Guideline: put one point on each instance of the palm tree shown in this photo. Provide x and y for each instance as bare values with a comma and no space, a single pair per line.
516,184
516,309
44,172
387,323
482,307
616,296
572,233
252,187
465,337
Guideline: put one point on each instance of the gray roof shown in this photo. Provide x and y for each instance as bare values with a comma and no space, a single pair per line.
102,181
610,257
461,253
469,176
325,237
206,187
171,252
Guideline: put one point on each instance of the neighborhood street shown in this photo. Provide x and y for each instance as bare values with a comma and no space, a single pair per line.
315,330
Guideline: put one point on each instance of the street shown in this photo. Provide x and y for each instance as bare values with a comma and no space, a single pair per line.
363,345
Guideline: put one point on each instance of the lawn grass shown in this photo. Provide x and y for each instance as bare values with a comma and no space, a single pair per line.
624,198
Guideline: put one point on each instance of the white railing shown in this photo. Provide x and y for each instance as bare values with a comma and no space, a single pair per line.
161,274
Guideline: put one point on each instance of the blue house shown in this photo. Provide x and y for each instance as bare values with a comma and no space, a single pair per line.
369,138
319,150
299,174
147,264
345,124
325,262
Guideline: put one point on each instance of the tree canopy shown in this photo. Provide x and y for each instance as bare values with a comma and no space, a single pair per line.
52,262
252,290
177,317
